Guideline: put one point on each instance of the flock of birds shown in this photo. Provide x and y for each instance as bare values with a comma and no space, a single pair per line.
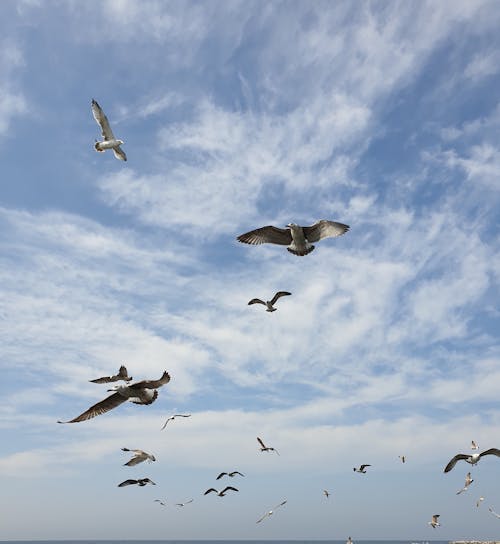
299,240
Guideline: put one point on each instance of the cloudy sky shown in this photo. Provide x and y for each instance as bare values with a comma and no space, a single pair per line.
236,115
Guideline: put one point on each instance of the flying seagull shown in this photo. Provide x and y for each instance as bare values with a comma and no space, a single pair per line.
493,512
403,458
468,481
161,502
298,239
221,493
326,493
139,457
361,469
109,141
270,303
263,447
349,541
230,474
271,512
141,482
434,522
479,501
171,418
144,392
122,375
183,503
472,458
473,445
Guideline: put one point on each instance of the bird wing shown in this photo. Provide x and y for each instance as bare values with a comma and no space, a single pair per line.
278,295
220,475
280,504
491,451
105,379
148,481
102,407
102,121
210,491
127,482
152,384
269,235
362,467
138,458
236,472
435,518
324,229
259,440
229,488
256,301
119,153
263,517
165,424
454,461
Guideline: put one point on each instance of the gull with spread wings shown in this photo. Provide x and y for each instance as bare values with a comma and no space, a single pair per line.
270,512
270,303
171,418
139,457
220,493
144,392
141,482
109,141
471,458
122,375
263,447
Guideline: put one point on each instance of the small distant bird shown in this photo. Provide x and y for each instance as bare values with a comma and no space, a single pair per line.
403,458
349,541
161,502
183,503
271,512
171,418
221,493
326,493
141,482
472,458
109,141
434,522
139,457
473,445
298,239
263,447
361,469
122,375
144,392
230,474
270,303
468,481
479,501
493,512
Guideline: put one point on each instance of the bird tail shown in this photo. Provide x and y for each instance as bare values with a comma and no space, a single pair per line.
307,250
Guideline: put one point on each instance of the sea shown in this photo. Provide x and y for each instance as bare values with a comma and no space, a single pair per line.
379,541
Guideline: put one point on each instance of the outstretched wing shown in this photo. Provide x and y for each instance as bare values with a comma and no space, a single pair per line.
256,301
259,440
236,472
119,153
362,467
127,482
278,295
280,504
220,475
229,488
267,235
100,408
324,229
210,491
491,451
139,458
453,462
102,121
105,379
152,384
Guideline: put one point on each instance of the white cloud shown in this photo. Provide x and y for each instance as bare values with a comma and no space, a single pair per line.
12,100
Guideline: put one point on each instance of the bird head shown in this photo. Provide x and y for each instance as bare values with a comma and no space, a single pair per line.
291,225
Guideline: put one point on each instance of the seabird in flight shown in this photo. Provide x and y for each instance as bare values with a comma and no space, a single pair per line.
122,375
434,522
468,481
298,239
109,141
230,474
490,509
263,447
144,392
139,457
271,512
326,493
171,418
403,458
270,303
221,493
473,445
479,501
183,503
472,458
141,482
361,469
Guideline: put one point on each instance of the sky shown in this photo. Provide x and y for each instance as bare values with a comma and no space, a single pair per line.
236,115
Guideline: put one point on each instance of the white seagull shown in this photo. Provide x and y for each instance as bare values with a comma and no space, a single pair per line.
434,522
298,239
220,493
122,375
361,469
263,447
109,141
184,503
171,418
270,303
144,392
141,482
468,481
473,445
479,501
471,458
139,457
270,512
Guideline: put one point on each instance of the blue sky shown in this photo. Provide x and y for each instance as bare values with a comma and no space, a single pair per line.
236,115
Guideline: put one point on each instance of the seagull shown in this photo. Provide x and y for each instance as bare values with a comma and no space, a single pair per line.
349,541
171,418
161,502
361,469
144,392
230,474
403,458
473,445
122,375
271,512
109,141
270,303
263,447
221,493
493,512
298,239
434,522
468,481
141,482
139,457
183,503
472,458
479,501
326,493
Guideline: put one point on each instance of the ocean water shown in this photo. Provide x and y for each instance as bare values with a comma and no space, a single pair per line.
224,541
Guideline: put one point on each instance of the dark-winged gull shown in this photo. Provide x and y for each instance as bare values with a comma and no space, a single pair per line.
230,474
109,141
171,418
468,481
122,375
270,512
402,458
263,447
270,303
361,469
471,458
298,239
139,457
141,482
326,493
434,521
144,392
220,493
